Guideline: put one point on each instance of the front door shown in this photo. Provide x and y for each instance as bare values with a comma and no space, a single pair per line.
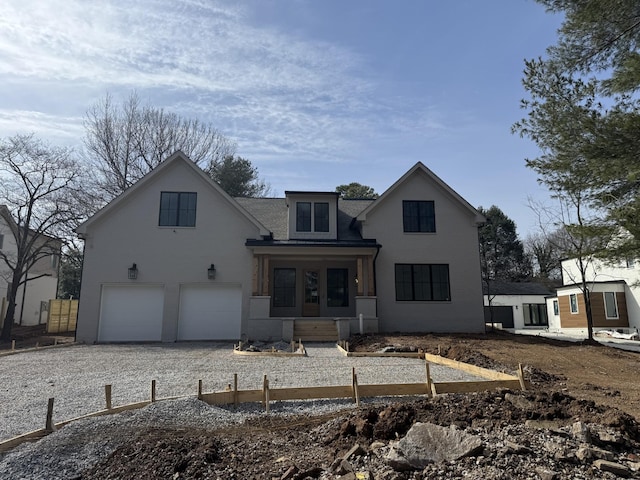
311,305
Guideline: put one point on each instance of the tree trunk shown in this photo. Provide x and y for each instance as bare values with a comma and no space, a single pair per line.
7,325
587,302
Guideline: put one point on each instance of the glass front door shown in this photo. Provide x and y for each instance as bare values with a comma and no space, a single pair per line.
311,305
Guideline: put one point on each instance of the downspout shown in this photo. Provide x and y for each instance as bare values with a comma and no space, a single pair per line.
375,276
84,246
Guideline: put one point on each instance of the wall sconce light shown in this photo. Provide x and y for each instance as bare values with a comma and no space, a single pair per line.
211,272
133,272
355,279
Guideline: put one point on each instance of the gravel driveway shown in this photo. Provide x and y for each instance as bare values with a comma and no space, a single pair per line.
75,376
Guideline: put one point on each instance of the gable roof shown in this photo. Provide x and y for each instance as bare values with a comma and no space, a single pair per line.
421,168
178,156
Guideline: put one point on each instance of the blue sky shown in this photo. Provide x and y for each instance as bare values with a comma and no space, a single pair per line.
316,93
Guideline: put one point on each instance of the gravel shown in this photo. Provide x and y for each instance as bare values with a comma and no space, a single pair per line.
75,376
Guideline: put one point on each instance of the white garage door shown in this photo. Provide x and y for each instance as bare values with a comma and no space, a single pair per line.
131,313
210,312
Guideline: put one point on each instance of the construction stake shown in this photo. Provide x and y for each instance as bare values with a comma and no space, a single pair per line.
354,381
153,391
107,395
199,389
429,392
49,426
523,385
265,393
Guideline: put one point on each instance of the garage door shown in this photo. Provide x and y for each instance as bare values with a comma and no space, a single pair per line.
210,312
131,313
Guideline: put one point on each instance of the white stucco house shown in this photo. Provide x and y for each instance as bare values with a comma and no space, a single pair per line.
614,293
33,295
175,258
516,306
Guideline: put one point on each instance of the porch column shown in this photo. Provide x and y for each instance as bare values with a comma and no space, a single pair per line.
370,280
359,277
255,276
265,275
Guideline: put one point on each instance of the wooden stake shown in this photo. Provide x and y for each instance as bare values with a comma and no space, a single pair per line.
107,395
265,393
55,341
354,381
235,389
37,344
199,389
429,392
49,426
13,345
523,385
153,391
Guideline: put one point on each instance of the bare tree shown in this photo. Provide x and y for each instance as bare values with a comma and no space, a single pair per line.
124,142
38,207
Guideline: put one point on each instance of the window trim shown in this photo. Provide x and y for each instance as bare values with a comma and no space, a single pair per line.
430,283
574,296
425,220
179,212
615,305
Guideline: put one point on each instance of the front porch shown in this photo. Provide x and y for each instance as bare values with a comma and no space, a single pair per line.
312,294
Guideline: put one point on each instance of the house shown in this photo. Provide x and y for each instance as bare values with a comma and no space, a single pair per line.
33,295
516,305
176,258
614,293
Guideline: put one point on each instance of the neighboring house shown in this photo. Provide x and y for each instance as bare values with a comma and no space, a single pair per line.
176,258
516,305
614,292
34,295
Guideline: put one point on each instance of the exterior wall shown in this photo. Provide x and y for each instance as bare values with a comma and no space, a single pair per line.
43,289
455,243
168,256
579,319
601,272
554,319
517,302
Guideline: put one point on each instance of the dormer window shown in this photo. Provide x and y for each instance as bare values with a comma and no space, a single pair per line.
305,222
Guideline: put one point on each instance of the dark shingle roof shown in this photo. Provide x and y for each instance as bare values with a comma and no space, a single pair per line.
273,212
500,287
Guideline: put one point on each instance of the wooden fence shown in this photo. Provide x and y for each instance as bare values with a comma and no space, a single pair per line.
63,315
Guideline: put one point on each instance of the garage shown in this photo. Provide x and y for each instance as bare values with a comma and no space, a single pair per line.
210,312
131,313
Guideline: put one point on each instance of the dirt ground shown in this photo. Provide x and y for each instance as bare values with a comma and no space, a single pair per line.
572,382
35,335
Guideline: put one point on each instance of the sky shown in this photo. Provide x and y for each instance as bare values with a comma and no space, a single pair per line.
315,93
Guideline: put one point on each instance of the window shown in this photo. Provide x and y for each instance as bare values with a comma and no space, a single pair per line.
321,217
573,303
556,308
418,216
610,305
422,282
178,209
337,287
284,287
535,314
629,262
303,217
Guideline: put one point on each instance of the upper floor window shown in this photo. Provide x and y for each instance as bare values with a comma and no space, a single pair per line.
303,216
418,216
178,209
420,282
320,217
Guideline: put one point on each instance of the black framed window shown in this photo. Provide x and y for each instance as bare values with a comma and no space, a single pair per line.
321,217
418,216
422,282
303,217
284,287
178,209
337,287
535,314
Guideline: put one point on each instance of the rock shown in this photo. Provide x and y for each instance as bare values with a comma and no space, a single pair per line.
512,447
586,452
425,443
581,432
519,401
612,467
291,471
553,426
545,474
356,450
611,437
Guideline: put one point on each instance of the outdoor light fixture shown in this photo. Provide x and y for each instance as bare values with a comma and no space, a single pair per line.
211,272
133,272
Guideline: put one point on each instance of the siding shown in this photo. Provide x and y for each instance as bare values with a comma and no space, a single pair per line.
579,320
